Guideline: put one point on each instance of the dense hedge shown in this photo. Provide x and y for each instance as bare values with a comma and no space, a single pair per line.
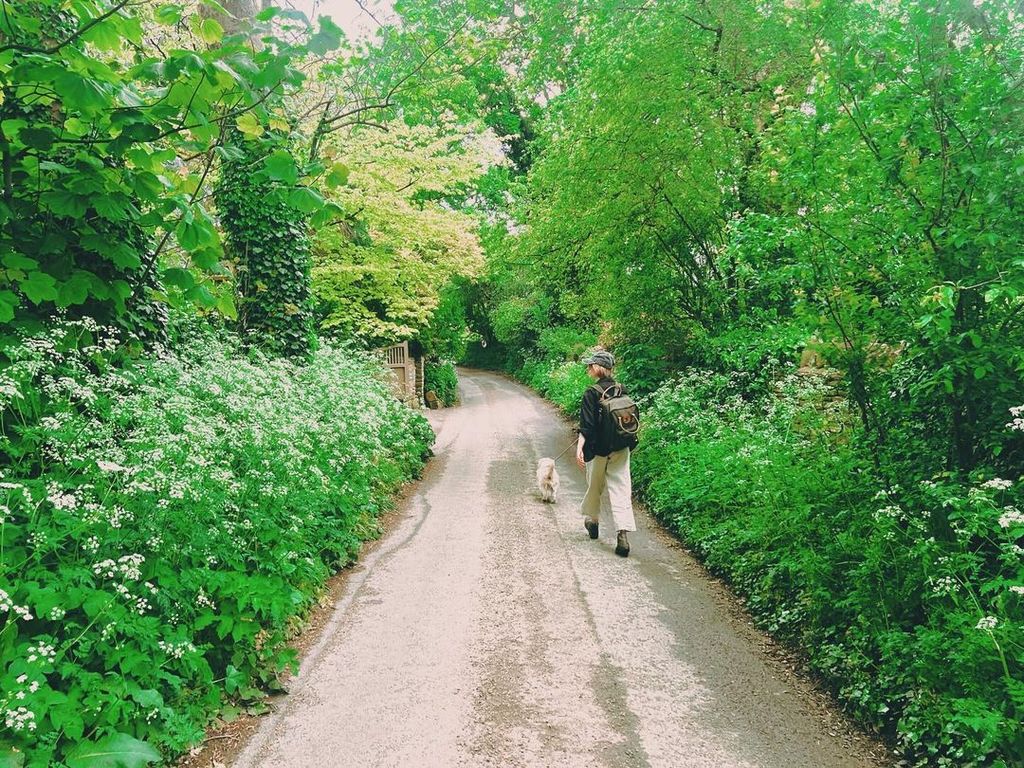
563,383
908,600
442,379
164,522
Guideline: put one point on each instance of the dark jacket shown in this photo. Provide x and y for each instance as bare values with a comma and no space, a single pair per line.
594,444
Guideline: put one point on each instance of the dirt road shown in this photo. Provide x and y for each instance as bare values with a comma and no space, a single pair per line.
489,630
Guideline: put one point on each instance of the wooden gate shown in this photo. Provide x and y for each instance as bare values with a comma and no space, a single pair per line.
403,369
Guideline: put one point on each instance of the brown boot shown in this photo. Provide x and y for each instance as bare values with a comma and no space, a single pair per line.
622,545
590,524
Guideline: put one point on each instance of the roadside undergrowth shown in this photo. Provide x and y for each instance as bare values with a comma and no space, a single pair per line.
166,520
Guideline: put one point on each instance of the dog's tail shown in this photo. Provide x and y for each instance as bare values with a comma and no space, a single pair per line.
551,471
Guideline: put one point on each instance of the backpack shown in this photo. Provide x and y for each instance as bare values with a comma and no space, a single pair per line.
620,418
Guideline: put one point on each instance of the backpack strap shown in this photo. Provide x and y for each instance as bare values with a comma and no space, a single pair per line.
604,392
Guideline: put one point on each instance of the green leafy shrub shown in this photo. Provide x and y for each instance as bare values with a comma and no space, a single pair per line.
562,342
519,321
443,380
89,207
642,367
448,334
561,383
165,520
491,357
908,600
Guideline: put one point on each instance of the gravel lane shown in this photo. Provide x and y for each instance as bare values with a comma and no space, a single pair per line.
489,630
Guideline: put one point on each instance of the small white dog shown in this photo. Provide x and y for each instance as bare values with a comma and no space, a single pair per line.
547,480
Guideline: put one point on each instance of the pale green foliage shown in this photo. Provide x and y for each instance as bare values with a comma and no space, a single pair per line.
643,162
385,285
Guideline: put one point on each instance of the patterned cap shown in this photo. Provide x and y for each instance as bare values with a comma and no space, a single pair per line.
601,357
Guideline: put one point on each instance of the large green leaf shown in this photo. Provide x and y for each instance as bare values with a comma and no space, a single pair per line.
305,199
328,213
211,31
12,128
195,230
249,124
8,302
65,203
75,290
179,278
117,751
226,306
338,175
17,261
106,35
327,38
83,94
121,254
200,294
39,287
37,138
281,166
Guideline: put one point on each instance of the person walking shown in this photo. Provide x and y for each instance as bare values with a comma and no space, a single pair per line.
605,459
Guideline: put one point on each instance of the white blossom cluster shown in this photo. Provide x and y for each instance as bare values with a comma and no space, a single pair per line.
16,715
127,567
997,484
65,386
890,512
7,604
44,652
32,687
203,599
119,516
987,623
1017,423
139,605
20,719
64,501
176,649
945,585
1011,516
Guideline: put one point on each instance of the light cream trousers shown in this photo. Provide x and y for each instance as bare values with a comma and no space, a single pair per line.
610,489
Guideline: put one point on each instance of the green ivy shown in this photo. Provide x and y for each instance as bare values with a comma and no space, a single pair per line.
267,236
